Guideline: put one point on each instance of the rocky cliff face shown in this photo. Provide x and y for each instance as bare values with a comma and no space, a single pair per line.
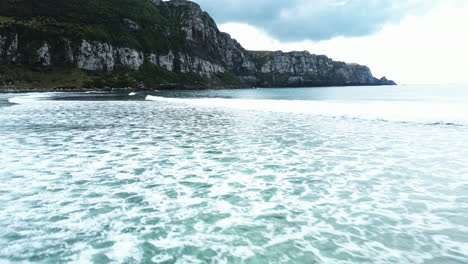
305,69
204,39
97,56
199,48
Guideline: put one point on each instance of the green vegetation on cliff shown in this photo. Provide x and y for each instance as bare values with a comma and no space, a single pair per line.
148,77
25,78
100,20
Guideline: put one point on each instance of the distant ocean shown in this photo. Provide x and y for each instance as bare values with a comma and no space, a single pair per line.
338,175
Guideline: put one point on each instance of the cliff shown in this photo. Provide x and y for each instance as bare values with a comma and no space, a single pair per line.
146,44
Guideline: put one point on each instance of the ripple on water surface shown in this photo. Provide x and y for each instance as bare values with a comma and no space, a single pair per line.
163,182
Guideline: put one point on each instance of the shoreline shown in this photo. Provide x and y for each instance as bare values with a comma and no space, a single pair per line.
168,88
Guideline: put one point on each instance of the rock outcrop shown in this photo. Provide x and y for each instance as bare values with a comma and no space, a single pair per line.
300,68
191,43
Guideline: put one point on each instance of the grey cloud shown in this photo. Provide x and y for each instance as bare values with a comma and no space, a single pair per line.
296,20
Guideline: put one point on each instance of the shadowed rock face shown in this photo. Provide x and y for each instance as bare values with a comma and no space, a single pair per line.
193,44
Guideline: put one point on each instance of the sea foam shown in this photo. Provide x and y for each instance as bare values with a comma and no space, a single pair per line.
201,180
417,112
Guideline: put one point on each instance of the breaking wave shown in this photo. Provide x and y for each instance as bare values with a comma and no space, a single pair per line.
414,112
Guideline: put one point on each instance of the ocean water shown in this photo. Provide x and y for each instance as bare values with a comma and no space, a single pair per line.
321,175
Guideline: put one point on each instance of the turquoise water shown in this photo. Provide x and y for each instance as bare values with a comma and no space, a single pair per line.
324,175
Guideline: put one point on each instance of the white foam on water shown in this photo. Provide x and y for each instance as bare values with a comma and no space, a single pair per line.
131,94
29,98
125,248
130,182
418,112
95,92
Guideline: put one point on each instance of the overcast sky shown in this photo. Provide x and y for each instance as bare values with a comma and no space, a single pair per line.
410,41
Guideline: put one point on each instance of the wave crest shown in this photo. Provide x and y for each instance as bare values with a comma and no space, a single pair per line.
417,112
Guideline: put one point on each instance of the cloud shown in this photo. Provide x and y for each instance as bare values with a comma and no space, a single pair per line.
297,20
430,48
